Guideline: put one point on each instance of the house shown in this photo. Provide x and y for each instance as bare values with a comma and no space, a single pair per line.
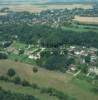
72,68
94,70
93,58
77,53
33,57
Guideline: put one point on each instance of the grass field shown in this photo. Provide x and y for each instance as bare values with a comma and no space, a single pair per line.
82,84
79,29
21,58
45,78
18,45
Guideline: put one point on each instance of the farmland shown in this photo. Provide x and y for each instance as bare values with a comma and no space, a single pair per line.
86,20
43,7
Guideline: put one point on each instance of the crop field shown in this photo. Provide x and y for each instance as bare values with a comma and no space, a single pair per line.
86,20
39,8
2,14
44,78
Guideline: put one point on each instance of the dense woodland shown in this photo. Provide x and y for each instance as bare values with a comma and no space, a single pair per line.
46,36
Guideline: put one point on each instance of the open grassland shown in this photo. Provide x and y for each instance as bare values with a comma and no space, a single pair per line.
39,8
45,78
86,20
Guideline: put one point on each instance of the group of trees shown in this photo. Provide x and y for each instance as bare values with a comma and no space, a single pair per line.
54,60
4,95
46,36
3,55
58,94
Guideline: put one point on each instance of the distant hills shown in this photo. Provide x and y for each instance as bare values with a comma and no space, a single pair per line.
4,3
41,1
73,0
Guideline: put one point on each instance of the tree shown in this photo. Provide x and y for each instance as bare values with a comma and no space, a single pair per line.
21,51
35,69
3,55
70,61
1,88
11,72
87,59
84,68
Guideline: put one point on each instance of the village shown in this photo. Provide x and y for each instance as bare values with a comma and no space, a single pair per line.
81,55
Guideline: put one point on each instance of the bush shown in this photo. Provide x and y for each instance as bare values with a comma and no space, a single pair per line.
17,80
43,90
25,83
11,72
60,95
35,86
21,51
95,90
35,69
16,60
1,88
3,55
4,78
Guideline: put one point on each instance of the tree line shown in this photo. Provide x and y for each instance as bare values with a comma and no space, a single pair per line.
7,95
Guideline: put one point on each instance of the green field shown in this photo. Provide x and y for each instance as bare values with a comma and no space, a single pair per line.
18,45
45,78
80,29
21,58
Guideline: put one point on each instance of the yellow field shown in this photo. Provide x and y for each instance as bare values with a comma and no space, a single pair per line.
86,20
2,14
39,8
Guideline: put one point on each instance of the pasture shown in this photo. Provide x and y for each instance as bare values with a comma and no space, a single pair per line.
44,78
